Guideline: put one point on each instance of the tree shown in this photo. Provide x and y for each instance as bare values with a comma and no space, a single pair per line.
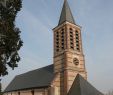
10,41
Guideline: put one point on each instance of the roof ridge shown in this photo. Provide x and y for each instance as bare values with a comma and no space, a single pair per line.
76,80
79,83
34,70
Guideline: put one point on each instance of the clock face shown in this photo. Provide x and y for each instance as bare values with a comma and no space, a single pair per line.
76,61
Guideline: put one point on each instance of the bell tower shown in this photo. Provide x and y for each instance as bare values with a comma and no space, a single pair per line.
68,53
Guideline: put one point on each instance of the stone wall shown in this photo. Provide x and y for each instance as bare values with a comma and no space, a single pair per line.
30,92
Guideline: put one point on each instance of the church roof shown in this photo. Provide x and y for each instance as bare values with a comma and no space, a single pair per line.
81,86
66,14
34,79
42,78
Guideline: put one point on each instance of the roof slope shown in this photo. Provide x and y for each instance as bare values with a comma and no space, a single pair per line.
34,79
82,87
66,14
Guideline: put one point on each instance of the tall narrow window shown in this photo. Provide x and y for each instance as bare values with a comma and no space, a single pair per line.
32,92
57,41
62,39
77,40
71,39
18,93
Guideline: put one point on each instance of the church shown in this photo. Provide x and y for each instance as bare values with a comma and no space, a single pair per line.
67,75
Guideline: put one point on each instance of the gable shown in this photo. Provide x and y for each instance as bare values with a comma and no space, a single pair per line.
81,86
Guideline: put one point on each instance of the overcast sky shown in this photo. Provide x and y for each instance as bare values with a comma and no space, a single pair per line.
36,21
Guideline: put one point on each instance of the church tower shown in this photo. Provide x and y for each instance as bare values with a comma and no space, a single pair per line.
68,52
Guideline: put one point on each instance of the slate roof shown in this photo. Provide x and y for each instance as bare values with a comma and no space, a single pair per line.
81,86
34,79
43,77
66,14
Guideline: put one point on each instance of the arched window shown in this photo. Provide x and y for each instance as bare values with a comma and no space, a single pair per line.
71,29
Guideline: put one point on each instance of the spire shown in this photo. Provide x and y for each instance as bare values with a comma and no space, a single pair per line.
66,14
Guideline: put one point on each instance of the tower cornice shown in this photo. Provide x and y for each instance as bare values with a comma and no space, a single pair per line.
63,24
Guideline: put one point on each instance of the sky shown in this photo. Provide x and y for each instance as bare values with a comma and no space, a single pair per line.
36,21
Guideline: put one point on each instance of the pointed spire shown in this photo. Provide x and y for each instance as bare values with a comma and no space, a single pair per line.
66,14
